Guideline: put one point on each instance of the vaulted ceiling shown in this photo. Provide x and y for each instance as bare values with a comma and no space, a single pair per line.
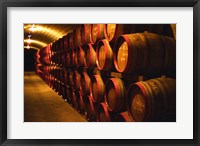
37,36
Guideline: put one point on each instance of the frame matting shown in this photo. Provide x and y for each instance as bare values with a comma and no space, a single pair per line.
4,4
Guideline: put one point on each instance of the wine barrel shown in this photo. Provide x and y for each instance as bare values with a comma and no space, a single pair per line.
123,117
66,42
152,100
61,45
77,37
85,34
64,76
80,56
74,100
104,55
68,58
71,40
145,53
97,88
97,32
168,31
115,95
74,58
37,57
90,56
85,83
90,108
62,90
68,95
80,103
64,94
103,115
77,80
70,81
113,31
63,58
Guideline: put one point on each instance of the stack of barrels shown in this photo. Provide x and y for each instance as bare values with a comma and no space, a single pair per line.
115,72
42,59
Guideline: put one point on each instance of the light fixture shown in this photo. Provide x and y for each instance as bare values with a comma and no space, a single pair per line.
32,28
28,47
39,43
29,41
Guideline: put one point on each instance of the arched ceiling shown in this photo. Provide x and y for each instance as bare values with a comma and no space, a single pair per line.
43,34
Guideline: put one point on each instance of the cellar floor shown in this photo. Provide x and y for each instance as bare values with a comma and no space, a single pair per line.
42,104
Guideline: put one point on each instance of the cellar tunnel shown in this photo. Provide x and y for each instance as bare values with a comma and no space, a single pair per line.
99,72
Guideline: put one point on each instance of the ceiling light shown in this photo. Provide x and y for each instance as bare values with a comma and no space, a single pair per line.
29,41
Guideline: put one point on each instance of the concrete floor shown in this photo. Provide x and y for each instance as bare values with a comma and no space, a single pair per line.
42,104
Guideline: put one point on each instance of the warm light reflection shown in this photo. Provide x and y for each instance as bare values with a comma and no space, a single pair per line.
54,33
35,28
31,47
42,44
29,41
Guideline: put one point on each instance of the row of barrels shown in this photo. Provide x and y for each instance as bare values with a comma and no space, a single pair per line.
103,100
91,33
76,67
136,54
43,56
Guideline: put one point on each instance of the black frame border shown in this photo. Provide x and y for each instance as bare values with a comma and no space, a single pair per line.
4,4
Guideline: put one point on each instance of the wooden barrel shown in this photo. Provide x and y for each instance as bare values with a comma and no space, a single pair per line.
90,56
37,56
80,56
103,115
64,93
113,31
152,100
70,81
64,76
104,55
77,37
66,42
71,40
62,90
97,88
74,100
123,117
115,95
97,32
90,108
69,95
61,45
85,34
63,58
85,83
162,29
68,58
74,58
80,102
77,80
145,53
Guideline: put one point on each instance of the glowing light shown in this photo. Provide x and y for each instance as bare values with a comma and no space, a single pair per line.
34,28
32,47
29,41
42,44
